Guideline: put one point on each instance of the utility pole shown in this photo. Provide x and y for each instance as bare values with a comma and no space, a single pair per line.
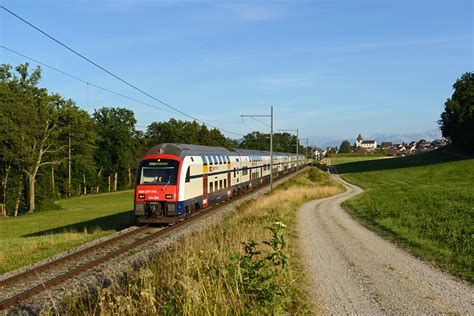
271,140
307,147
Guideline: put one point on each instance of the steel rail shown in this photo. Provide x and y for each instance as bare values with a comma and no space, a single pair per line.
69,257
84,267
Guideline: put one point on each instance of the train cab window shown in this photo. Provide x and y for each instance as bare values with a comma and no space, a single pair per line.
211,187
188,174
220,185
157,172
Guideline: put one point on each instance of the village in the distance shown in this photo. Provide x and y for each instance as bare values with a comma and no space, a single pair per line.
370,146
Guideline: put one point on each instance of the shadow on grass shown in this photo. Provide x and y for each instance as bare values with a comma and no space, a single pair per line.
115,222
430,158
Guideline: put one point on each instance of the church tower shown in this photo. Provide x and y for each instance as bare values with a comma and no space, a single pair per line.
359,141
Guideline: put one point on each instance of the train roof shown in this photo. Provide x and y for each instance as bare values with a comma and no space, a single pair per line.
183,150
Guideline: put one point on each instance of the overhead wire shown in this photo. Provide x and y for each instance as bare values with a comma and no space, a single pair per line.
255,119
82,80
88,83
111,73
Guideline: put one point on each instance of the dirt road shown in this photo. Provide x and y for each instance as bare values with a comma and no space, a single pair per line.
352,270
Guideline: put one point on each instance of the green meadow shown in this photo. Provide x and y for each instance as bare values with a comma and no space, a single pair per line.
424,203
29,238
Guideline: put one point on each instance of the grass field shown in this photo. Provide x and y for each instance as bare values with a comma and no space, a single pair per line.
423,202
29,238
211,273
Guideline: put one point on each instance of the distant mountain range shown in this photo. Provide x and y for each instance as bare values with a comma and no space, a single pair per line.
394,138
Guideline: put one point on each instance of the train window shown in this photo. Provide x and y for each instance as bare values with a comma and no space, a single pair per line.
192,159
220,159
204,160
188,174
235,172
225,183
211,187
216,185
220,185
237,159
211,161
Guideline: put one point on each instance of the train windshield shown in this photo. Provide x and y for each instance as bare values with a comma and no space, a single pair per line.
158,172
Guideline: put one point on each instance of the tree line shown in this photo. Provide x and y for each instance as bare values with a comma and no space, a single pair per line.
51,148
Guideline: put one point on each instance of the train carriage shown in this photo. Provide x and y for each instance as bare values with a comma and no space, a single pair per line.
175,180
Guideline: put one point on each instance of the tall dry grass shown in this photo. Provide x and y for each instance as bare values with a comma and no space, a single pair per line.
202,275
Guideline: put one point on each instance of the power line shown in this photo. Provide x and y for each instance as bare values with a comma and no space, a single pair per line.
111,73
253,118
82,80
98,86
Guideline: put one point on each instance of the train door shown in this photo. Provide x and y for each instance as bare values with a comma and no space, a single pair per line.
250,175
229,185
204,190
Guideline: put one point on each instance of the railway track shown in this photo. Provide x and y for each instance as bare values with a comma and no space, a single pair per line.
25,285
20,287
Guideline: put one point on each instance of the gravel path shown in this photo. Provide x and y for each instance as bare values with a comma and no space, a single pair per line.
352,270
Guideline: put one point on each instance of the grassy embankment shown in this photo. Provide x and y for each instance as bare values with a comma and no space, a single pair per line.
220,270
29,238
424,203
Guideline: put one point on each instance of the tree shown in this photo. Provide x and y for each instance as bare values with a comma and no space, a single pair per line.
185,132
457,120
78,137
345,147
30,130
116,130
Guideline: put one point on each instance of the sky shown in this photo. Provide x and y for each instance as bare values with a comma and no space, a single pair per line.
332,69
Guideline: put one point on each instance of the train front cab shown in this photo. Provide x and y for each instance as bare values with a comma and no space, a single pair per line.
156,190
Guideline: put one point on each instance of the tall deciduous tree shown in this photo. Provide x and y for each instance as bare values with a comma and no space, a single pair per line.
345,147
116,130
457,120
78,136
33,124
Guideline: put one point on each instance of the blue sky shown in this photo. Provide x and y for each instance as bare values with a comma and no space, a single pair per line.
333,69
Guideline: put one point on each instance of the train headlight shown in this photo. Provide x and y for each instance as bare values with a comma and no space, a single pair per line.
169,196
141,196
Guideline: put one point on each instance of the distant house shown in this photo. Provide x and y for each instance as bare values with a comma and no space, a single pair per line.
365,144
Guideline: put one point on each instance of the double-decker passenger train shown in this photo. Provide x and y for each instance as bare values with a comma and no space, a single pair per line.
175,180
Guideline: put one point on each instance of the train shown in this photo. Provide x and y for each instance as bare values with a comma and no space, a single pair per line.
176,180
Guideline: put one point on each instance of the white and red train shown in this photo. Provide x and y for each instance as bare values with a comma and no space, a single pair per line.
175,180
